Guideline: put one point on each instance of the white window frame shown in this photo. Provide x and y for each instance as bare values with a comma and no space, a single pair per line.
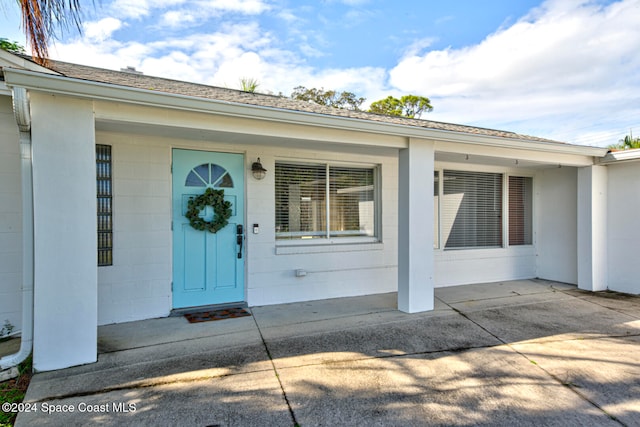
506,202
439,245
327,239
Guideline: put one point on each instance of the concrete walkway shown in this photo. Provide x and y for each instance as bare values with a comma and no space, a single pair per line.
514,353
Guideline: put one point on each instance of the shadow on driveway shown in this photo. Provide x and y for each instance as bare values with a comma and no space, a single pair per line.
526,352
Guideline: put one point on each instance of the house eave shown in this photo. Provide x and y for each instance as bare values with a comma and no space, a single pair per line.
620,156
109,92
4,89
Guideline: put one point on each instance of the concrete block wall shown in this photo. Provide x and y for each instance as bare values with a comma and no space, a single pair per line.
461,266
623,230
65,282
556,211
138,285
333,271
10,218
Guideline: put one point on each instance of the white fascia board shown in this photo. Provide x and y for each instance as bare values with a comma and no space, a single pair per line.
4,89
620,156
17,61
540,157
109,92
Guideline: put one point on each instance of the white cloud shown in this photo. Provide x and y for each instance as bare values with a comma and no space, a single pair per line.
101,30
354,2
177,19
418,46
175,65
288,16
247,7
137,9
130,8
556,72
108,54
246,65
567,57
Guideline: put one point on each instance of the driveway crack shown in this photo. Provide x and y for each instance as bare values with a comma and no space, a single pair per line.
275,370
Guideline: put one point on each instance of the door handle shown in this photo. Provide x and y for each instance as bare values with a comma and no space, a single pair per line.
239,239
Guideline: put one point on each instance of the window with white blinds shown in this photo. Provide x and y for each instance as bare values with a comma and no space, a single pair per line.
471,208
316,201
520,210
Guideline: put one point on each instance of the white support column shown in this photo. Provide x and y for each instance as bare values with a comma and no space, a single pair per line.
592,228
64,203
415,227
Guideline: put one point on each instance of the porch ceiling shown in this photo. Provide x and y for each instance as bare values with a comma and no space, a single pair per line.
174,132
232,137
445,153
475,159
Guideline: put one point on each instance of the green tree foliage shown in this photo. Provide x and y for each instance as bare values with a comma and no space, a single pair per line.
411,106
628,143
9,46
330,98
389,106
249,84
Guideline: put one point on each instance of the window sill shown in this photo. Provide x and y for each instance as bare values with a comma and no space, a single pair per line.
486,253
326,247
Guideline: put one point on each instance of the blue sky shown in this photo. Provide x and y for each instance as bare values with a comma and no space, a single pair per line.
562,69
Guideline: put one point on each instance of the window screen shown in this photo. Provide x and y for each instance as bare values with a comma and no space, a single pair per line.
471,209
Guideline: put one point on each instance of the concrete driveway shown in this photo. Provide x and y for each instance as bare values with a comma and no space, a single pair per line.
515,353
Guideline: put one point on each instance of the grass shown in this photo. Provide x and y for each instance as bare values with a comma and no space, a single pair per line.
13,391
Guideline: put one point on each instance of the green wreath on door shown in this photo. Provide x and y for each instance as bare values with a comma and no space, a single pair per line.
221,209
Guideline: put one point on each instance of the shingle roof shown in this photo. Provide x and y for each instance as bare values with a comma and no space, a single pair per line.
160,84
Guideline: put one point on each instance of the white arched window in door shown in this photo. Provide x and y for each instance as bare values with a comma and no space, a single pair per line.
209,175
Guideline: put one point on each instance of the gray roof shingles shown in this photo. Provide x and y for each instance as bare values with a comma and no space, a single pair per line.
141,81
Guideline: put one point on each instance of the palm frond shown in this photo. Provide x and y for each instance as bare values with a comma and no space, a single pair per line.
41,20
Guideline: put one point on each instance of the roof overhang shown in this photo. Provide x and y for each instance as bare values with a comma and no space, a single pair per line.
21,62
620,156
87,89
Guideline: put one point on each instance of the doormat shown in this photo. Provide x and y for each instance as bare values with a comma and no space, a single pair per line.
207,316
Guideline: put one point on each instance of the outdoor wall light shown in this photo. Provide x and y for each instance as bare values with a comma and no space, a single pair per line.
257,170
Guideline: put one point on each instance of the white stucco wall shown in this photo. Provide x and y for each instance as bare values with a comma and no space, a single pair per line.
415,235
64,180
623,230
592,228
461,267
332,270
138,285
466,266
555,216
10,218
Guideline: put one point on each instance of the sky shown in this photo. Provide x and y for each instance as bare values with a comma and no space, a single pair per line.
567,70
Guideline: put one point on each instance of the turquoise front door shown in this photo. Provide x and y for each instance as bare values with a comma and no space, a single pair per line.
208,268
